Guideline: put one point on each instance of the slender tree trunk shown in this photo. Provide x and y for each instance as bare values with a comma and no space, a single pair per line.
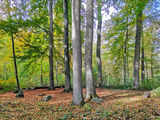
99,80
147,69
137,51
128,70
125,56
90,89
57,73
51,78
77,54
5,71
41,74
142,60
108,80
66,47
15,63
152,63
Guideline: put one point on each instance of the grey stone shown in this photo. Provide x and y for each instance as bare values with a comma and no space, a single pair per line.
97,100
47,98
33,88
20,94
42,94
146,95
28,88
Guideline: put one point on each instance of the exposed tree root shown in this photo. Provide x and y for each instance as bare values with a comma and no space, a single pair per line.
90,96
81,104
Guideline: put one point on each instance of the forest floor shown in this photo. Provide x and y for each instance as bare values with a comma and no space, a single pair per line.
117,104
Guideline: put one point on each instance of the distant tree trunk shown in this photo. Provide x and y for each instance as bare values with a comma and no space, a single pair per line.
99,62
57,73
152,63
128,81
125,55
41,74
15,63
142,60
137,50
147,69
5,71
66,47
128,70
108,80
90,90
77,54
51,78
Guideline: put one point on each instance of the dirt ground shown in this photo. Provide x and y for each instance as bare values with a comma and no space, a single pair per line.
31,96
59,107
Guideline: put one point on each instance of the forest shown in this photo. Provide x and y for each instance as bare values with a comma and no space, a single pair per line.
79,59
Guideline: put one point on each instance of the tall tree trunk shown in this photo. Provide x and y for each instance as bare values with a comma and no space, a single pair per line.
57,73
146,70
77,54
15,63
142,60
98,52
5,71
128,71
90,89
137,50
125,56
66,47
152,63
41,74
108,80
51,78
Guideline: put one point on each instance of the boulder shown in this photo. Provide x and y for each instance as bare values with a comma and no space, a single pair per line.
97,100
146,95
33,88
20,94
28,88
47,98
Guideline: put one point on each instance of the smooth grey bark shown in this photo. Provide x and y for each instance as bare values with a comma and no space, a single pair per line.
57,73
41,73
77,54
15,62
66,46
51,78
125,56
98,51
137,50
142,60
90,89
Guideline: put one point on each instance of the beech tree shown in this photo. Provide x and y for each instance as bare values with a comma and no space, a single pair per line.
90,90
51,78
137,49
142,59
66,47
11,32
77,53
98,52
